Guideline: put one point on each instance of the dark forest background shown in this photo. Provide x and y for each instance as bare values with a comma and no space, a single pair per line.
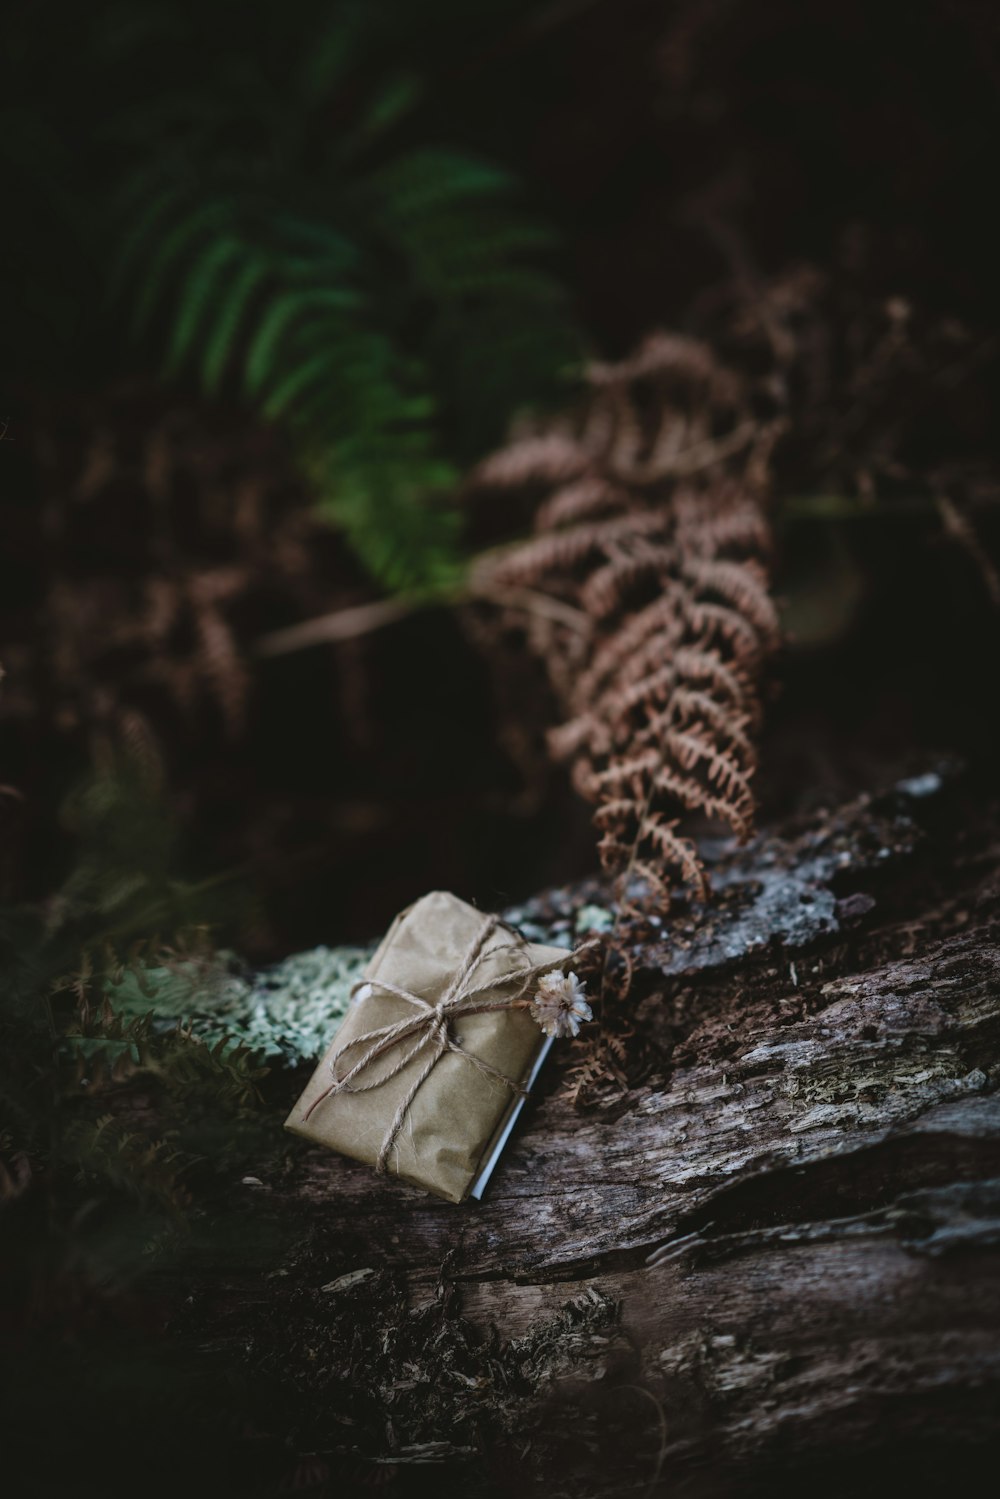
641,166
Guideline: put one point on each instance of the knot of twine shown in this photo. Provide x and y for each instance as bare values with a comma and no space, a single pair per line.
429,1029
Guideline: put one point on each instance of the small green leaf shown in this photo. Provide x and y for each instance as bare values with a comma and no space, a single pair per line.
297,381
171,249
222,337
202,284
280,316
133,244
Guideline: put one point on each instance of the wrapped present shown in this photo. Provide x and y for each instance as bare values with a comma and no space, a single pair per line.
444,1036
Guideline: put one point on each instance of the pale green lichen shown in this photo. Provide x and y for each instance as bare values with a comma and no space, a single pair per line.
295,1006
287,1012
594,919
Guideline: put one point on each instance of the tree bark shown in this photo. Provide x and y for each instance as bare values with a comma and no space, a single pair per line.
774,1261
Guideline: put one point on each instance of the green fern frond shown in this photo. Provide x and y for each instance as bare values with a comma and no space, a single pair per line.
226,1072
130,1020
150,1170
341,300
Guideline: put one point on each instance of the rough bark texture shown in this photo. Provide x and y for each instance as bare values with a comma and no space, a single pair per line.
774,1262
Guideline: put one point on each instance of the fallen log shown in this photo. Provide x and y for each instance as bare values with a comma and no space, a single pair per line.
773,1261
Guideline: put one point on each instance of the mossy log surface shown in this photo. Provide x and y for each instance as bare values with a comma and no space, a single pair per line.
774,1261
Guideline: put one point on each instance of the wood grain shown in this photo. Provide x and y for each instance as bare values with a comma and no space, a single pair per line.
779,1249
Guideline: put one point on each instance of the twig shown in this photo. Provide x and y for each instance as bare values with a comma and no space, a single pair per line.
960,528
342,624
362,619
532,602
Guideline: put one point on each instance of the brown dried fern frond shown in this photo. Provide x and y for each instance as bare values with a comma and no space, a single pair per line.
649,524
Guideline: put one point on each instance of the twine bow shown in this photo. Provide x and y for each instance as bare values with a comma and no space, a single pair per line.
429,1028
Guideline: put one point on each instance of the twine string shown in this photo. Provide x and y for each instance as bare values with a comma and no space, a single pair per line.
429,1028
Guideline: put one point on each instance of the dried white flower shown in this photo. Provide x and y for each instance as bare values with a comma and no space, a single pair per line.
559,1005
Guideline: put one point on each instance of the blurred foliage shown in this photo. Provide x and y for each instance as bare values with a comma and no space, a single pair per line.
105,1115
247,198
119,1135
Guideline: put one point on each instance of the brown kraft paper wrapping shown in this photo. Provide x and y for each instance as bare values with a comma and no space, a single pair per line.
459,1110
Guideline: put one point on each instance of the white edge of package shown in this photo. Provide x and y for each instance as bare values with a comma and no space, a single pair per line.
486,1170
